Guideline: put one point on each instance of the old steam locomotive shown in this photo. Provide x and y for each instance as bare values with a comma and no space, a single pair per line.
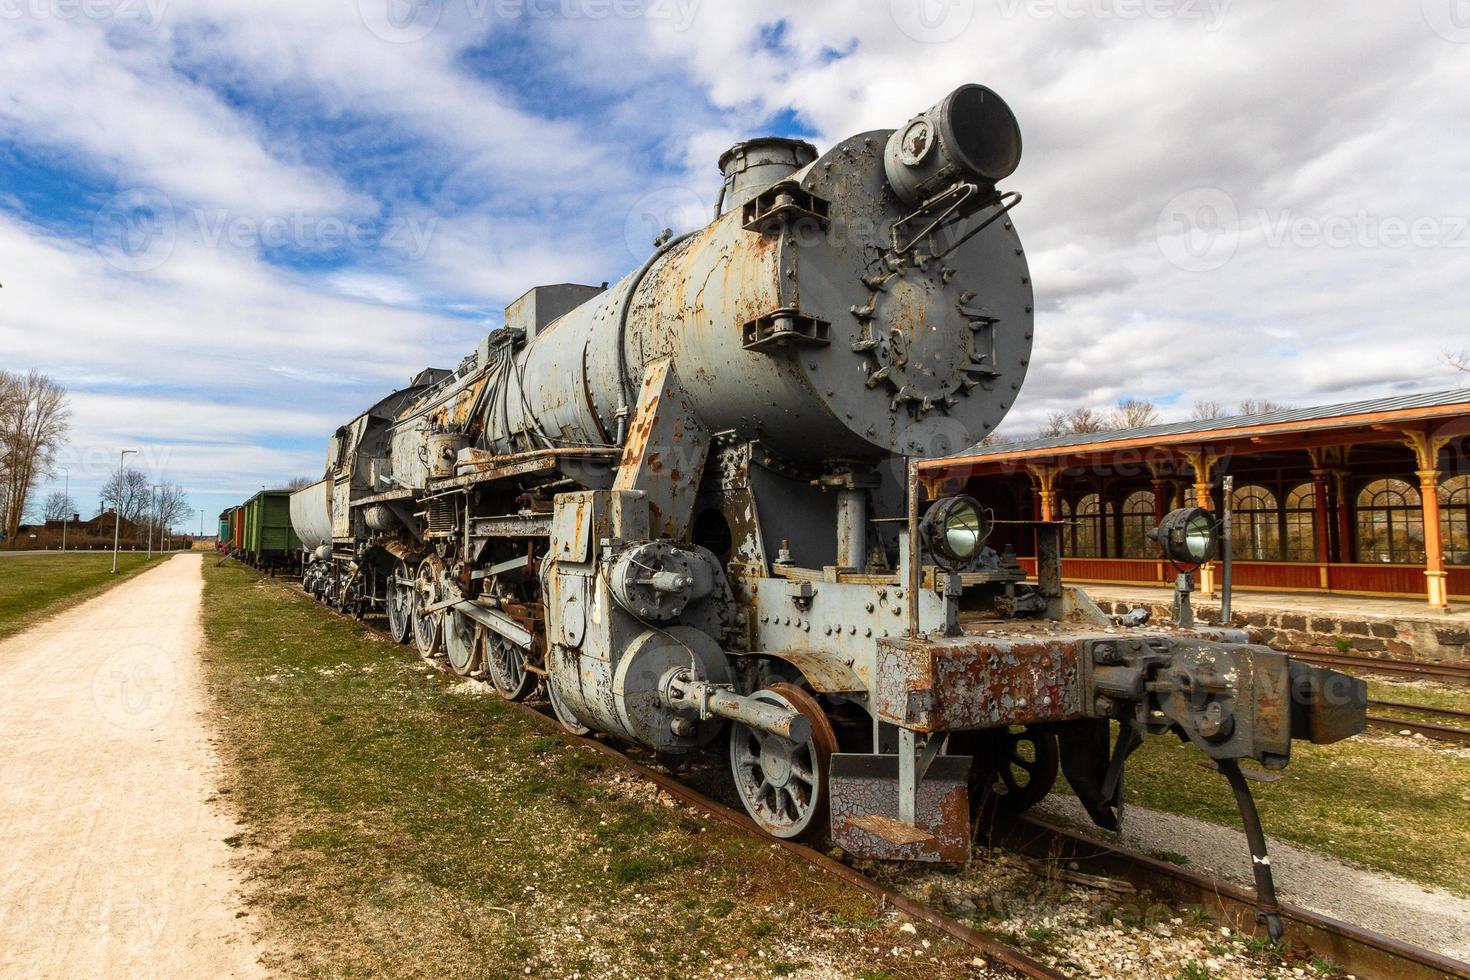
686,508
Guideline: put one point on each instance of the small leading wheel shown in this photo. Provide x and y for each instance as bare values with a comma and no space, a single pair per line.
427,625
782,783
506,664
400,601
463,643
564,714
1013,771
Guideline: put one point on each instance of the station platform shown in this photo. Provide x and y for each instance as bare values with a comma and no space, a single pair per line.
1370,626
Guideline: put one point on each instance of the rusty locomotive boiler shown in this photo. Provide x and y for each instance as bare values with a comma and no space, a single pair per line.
684,508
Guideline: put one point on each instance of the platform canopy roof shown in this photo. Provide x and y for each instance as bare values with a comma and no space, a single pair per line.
1376,420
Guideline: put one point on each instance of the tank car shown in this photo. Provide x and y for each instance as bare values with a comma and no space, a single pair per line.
687,508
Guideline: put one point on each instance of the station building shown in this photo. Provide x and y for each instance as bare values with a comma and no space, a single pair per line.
1367,499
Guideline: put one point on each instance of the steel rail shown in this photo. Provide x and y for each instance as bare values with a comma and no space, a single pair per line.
1358,951
1410,668
1440,733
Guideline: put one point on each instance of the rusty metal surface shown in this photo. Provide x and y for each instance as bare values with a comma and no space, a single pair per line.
967,682
864,787
665,454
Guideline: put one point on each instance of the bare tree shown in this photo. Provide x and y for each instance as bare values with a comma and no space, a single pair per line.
1076,422
58,507
994,439
302,482
1261,406
171,507
34,420
1459,360
1205,411
1133,413
127,493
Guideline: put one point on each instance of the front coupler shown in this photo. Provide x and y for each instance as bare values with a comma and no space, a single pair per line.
1231,699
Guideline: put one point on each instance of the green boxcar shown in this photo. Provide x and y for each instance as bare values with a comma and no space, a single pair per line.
267,537
226,528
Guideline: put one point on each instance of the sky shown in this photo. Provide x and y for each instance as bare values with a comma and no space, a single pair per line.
228,226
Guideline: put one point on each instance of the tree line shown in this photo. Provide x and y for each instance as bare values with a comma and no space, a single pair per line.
34,422
1133,413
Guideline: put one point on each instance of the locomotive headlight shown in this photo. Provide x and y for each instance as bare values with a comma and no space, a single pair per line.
955,529
1190,536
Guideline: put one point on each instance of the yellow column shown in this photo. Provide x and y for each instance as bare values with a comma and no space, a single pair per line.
1045,484
1203,464
1426,447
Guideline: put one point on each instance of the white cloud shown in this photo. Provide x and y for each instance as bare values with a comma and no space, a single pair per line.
1309,118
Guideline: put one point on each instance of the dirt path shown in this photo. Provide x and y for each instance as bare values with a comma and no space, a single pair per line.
112,863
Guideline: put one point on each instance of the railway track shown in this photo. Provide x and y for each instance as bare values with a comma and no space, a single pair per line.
1442,724
1399,668
1357,951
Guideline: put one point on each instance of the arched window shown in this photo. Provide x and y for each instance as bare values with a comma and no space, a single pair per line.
1301,524
1088,527
1138,520
1257,525
1454,516
1390,524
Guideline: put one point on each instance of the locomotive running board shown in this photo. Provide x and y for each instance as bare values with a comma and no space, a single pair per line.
864,804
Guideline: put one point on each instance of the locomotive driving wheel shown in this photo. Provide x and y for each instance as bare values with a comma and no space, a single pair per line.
782,783
1014,769
428,626
400,602
564,715
506,664
464,643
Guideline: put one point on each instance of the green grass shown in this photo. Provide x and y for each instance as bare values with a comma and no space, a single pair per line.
1395,808
34,587
395,825
1427,693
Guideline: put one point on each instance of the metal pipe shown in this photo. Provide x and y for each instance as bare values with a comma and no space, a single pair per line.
117,508
852,528
681,691
914,556
1227,550
1268,910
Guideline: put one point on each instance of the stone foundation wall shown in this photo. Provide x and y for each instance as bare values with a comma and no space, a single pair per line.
1394,639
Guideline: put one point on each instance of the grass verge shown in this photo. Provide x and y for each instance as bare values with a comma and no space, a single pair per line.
398,824
34,587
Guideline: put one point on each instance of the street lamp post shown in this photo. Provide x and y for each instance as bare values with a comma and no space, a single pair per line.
117,507
66,515
155,515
